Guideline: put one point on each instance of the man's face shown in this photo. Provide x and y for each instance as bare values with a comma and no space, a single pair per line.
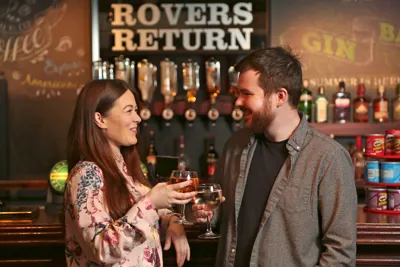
256,106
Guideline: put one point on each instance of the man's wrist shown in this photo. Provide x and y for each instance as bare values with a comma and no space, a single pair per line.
173,218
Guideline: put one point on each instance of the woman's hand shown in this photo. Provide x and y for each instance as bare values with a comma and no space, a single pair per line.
176,235
163,195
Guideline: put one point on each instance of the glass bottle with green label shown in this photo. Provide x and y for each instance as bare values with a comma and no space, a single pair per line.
305,105
321,106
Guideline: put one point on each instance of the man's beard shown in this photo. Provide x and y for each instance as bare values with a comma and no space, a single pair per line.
262,118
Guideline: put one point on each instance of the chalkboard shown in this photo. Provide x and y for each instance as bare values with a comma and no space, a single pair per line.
45,52
357,41
4,156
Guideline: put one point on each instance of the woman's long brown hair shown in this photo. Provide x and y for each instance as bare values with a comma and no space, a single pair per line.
87,142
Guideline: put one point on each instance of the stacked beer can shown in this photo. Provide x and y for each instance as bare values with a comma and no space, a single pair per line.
382,169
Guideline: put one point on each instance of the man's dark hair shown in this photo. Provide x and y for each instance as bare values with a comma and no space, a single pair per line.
278,67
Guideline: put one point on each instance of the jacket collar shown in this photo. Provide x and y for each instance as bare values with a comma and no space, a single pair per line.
296,141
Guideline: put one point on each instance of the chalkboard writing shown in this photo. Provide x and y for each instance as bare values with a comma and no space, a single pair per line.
45,54
355,41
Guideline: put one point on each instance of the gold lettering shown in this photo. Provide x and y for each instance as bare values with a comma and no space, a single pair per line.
27,79
313,45
49,84
387,32
346,49
328,44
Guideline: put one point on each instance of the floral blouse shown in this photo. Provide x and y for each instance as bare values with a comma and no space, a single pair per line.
93,238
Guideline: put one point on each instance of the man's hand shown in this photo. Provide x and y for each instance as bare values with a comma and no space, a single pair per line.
202,212
176,235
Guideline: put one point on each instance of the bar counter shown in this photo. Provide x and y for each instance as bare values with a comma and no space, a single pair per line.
40,242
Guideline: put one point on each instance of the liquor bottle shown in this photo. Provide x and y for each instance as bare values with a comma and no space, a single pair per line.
212,157
342,102
396,104
361,105
381,103
152,152
321,106
358,159
306,101
183,160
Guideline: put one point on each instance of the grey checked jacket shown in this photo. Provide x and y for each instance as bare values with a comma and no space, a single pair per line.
310,216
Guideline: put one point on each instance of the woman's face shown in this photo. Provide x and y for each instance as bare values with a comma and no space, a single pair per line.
120,124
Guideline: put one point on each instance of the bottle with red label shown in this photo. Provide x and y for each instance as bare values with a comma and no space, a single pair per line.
342,102
358,160
361,105
183,159
396,105
212,157
381,106
152,152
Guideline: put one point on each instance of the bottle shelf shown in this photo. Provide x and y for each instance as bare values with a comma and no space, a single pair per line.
179,107
382,184
388,212
397,157
225,106
354,128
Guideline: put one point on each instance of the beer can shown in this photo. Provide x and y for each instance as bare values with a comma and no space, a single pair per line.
389,141
374,144
393,198
372,171
376,198
390,172
396,144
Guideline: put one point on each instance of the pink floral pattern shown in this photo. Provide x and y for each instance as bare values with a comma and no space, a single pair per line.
93,238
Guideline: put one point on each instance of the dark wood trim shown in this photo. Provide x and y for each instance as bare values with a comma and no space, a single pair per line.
354,129
377,260
32,261
23,184
384,234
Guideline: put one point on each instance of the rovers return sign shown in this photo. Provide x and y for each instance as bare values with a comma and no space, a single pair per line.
211,26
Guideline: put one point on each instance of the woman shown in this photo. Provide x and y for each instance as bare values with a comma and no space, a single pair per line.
111,215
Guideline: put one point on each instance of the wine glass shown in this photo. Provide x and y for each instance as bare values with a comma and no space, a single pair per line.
211,196
182,176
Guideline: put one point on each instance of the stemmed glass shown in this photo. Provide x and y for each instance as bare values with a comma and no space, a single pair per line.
211,196
182,176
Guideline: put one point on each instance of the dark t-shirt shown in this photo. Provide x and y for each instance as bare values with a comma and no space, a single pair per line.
267,161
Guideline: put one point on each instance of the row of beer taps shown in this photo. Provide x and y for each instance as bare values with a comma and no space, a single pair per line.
124,69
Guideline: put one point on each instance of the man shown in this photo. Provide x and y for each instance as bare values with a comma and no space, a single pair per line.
289,189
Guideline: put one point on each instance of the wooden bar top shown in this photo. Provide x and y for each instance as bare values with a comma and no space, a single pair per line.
378,241
365,221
